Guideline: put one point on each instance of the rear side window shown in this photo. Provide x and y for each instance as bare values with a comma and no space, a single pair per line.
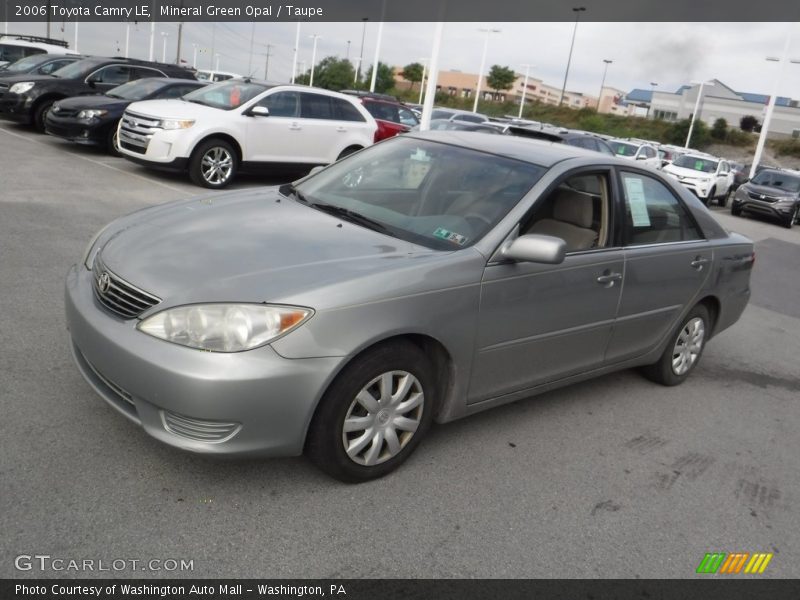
381,110
141,72
113,74
345,111
653,215
407,117
315,106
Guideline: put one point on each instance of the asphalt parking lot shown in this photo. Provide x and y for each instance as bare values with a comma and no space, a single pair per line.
616,477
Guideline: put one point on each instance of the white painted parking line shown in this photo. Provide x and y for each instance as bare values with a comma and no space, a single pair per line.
97,162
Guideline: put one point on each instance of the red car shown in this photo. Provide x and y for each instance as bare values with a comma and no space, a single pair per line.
392,116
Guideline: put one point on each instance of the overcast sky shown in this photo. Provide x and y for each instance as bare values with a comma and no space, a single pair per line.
669,54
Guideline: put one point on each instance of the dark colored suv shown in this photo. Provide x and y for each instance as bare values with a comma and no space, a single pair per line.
771,193
39,64
27,98
392,116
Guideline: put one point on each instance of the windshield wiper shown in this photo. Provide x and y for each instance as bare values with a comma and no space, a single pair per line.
288,189
115,96
350,215
196,102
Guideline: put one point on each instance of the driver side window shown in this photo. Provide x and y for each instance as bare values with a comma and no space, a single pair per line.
282,104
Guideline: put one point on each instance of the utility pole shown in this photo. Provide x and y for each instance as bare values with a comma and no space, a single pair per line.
266,63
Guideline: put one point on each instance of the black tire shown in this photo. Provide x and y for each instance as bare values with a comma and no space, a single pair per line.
792,219
664,370
40,114
325,445
112,145
202,173
348,151
711,196
723,200
736,211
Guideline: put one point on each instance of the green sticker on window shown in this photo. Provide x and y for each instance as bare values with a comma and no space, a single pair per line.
698,165
450,236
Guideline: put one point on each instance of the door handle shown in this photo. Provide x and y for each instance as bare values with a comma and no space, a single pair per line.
608,278
295,127
342,129
698,263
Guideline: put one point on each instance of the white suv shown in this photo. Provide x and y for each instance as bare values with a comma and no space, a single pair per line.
636,150
709,177
215,131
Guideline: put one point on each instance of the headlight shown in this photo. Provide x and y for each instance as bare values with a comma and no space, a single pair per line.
88,255
22,87
224,327
785,199
176,124
91,114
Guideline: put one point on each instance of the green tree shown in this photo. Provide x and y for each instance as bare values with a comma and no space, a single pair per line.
413,73
330,73
501,78
748,123
384,80
677,133
719,131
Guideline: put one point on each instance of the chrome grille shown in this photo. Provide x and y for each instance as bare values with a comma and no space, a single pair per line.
199,430
762,197
117,295
136,130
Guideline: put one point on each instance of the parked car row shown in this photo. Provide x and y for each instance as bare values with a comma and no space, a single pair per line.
773,193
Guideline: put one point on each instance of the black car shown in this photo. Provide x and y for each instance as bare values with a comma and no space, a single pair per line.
581,139
772,193
39,64
27,98
93,119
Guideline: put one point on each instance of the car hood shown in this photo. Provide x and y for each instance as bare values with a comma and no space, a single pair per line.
767,190
685,172
12,79
249,246
95,101
174,109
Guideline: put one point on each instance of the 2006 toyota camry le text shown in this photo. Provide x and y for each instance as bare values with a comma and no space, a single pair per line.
425,278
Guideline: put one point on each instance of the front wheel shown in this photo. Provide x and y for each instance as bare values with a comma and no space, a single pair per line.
374,414
683,350
112,140
736,211
40,114
213,164
793,218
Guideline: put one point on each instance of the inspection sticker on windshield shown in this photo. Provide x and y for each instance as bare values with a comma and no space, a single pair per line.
444,234
634,190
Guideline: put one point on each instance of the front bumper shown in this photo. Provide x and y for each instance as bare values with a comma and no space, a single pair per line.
774,210
16,107
82,132
185,397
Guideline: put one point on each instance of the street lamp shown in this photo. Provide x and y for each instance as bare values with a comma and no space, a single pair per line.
347,56
164,35
483,65
194,56
696,108
577,10
424,62
603,81
653,85
762,136
361,52
296,48
216,68
355,73
524,89
314,37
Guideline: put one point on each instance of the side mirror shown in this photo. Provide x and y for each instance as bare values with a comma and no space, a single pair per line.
536,248
258,111
641,157
92,81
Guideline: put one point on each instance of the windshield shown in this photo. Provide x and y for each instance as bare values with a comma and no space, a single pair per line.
623,149
784,181
24,65
137,90
697,163
227,95
437,195
77,69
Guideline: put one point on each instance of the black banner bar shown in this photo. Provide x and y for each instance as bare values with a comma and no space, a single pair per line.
398,10
715,588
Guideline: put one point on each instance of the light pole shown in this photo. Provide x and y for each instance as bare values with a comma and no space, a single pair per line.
216,67
524,89
252,43
433,75
355,74
296,47
164,35
483,65
653,85
424,62
696,108
314,37
268,53
762,136
603,82
194,56
361,52
375,63
577,10
347,56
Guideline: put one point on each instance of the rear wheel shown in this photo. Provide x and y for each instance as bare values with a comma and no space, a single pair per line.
213,164
374,414
683,351
348,151
40,114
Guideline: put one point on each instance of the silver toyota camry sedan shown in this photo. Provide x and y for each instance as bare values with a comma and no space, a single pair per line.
425,278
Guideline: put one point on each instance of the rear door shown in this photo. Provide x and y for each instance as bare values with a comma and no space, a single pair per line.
667,261
279,137
324,134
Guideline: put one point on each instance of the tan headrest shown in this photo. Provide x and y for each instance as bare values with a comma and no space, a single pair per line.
573,207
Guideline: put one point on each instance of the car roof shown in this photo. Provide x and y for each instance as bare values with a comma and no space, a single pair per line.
538,152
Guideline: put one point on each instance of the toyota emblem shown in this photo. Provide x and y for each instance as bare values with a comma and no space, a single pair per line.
103,282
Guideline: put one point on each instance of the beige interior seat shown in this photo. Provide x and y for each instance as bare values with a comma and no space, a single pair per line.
571,221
